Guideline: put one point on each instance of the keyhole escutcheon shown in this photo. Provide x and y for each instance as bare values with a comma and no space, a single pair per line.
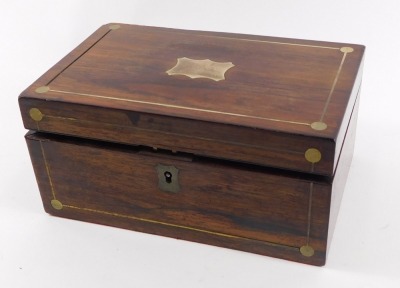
168,178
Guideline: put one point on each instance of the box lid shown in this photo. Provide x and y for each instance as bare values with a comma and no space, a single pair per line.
271,101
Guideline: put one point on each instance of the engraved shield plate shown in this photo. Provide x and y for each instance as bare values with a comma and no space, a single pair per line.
200,68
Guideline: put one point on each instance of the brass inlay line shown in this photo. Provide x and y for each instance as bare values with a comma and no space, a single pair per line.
271,42
333,87
48,171
177,226
309,212
150,221
178,107
66,118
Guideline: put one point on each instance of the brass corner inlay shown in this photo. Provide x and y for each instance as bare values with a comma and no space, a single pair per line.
56,204
307,251
35,114
200,68
114,26
319,126
313,155
346,49
42,89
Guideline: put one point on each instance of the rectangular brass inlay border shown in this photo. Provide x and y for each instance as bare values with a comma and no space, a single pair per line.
325,107
62,206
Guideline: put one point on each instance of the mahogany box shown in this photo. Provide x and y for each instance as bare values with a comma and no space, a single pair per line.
238,141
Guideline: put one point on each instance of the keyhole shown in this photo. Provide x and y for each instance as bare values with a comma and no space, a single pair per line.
168,177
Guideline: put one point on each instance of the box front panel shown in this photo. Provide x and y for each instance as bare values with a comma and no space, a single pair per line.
216,140
179,196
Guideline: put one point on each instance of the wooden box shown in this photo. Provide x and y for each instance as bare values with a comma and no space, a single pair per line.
233,140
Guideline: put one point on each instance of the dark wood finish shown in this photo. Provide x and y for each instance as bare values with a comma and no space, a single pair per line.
245,207
113,115
185,135
343,167
275,78
118,186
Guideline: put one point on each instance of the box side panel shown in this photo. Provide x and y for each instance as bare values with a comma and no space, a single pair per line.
342,170
217,204
355,93
222,141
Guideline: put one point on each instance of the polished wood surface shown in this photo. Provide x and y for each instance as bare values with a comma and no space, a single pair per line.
219,202
108,115
245,207
261,113
342,170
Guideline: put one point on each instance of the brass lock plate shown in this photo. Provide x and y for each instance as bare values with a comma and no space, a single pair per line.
168,178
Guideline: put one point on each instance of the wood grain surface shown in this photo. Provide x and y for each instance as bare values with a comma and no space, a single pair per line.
262,113
108,115
117,185
251,208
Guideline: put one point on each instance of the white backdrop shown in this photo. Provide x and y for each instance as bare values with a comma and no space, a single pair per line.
37,250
